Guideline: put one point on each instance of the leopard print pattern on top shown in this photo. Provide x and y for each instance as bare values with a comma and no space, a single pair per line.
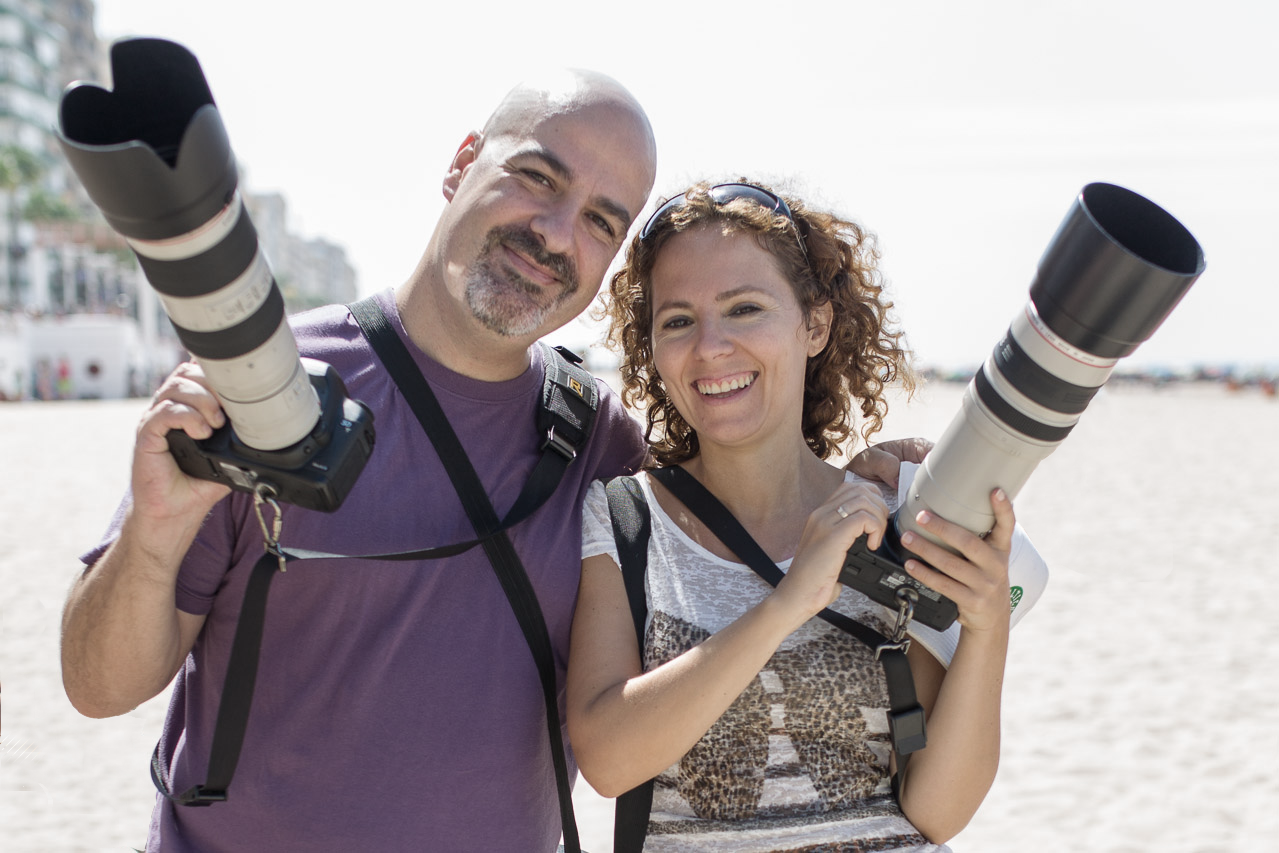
800,760
722,776
826,691
835,684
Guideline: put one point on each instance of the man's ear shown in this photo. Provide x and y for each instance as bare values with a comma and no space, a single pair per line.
465,156
819,320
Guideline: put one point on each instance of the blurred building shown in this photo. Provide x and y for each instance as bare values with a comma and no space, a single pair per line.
58,258
309,271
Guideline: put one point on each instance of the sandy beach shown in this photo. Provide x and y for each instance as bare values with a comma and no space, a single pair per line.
1139,701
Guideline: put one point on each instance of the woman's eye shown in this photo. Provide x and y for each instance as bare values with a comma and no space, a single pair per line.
747,308
675,323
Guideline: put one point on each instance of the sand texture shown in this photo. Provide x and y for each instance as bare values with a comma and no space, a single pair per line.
1139,706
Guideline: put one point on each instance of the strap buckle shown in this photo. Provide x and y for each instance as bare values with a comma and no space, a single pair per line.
559,444
907,730
199,795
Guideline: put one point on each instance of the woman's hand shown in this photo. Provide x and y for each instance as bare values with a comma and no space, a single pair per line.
976,579
812,583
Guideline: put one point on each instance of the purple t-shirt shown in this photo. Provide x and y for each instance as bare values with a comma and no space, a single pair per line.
397,704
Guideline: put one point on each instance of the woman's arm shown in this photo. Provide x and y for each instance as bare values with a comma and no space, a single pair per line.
627,726
945,783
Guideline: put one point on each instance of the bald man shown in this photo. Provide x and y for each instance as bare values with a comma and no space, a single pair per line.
397,705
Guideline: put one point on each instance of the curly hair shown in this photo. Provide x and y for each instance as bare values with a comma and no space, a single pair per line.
836,265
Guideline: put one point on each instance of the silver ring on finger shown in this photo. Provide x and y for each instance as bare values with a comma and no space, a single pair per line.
843,513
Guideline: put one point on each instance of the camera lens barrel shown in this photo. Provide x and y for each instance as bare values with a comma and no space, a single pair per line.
154,156
1116,268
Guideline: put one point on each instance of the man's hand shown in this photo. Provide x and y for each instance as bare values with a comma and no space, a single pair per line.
882,461
161,491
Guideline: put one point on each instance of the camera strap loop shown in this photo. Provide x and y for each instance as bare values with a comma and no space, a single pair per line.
264,494
906,598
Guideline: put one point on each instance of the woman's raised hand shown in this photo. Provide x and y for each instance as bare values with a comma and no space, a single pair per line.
976,579
812,583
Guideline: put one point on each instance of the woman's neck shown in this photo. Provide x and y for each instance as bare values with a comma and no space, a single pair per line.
770,493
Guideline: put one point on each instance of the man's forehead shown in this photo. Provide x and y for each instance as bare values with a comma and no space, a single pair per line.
606,151
582,162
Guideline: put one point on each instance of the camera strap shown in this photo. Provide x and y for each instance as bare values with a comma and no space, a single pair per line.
492,534
566,415
905,715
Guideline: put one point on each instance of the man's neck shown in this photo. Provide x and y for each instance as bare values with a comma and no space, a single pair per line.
455,339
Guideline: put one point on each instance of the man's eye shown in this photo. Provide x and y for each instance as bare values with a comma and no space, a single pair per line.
537,176
601,223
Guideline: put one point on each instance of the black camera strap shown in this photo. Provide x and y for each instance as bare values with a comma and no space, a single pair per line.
566,415
905,716
492,535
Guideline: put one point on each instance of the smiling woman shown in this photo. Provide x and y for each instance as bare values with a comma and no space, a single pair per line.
730,339
824,265
751,326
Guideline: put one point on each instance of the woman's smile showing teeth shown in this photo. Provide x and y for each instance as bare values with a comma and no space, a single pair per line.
718,387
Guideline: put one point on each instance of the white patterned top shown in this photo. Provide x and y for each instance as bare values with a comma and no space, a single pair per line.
799,762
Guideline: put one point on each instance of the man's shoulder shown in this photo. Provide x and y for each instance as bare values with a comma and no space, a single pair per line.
320,322
330,334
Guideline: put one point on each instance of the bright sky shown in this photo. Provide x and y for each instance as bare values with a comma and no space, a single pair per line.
958,131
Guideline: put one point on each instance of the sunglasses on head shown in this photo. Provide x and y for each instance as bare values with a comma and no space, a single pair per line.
722,194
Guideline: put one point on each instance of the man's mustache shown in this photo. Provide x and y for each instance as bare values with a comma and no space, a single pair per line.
523,239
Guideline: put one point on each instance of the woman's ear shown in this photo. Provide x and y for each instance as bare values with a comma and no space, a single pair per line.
819,320
465,156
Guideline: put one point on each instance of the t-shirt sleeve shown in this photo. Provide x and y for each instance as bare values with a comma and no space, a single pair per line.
597,524
206,562
209,558
620,436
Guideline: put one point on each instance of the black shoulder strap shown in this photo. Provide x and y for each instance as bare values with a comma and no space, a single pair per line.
629,513
492,535
906,717
565,416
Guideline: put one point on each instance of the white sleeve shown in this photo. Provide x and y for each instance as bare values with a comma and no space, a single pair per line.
597,524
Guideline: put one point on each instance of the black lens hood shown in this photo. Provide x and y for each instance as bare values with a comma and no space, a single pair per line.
152,152
1114,271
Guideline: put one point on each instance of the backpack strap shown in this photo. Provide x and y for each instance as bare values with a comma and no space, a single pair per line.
905,716
631,527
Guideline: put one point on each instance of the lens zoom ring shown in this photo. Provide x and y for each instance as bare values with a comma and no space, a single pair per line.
1038,384
1014,419
243,337
208,271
